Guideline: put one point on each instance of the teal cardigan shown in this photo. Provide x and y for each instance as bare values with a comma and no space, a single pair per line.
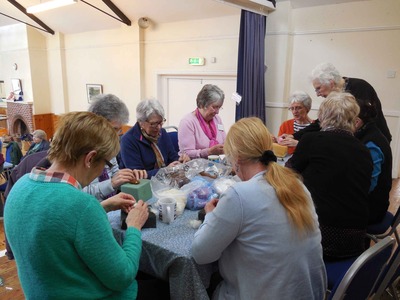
64,246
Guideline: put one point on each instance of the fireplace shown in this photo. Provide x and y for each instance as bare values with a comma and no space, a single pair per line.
20,118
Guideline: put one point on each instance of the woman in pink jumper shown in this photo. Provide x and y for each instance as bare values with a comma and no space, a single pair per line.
201,132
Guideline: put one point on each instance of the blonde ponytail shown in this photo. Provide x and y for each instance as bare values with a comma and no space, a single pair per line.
249,140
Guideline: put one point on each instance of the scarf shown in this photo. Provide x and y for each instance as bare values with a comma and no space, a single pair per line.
157,152
210,130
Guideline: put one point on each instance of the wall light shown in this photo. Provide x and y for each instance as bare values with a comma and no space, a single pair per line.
144,22
49,5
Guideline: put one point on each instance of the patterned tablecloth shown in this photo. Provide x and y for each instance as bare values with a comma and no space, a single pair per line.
166,255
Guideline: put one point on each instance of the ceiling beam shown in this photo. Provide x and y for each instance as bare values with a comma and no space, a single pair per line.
33,17
122,18
118,12
18,20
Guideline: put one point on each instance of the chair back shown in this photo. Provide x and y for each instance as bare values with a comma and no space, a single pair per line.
8,154
391,229
390,273
360,278
382,226
173,134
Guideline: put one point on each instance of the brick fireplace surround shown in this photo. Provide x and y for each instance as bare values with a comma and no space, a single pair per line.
20,118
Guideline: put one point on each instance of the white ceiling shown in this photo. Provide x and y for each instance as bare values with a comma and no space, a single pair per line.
81,17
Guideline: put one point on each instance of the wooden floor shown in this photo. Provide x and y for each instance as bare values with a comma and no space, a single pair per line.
10,288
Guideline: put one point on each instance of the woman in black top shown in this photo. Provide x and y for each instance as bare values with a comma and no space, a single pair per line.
336,168
381,181
326,78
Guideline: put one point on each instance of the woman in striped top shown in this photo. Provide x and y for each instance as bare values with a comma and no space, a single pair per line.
300,105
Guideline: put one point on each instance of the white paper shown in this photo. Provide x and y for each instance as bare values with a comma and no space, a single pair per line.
236,97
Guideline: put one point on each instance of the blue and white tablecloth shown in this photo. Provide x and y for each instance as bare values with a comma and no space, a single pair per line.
166,255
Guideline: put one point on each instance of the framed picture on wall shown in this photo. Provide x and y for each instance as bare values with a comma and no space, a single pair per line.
93,90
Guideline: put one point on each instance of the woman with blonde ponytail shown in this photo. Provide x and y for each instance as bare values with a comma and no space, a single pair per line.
263,231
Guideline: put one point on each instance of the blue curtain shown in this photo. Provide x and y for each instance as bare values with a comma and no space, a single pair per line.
251,66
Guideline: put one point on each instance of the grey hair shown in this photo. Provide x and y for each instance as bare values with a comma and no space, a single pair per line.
301,97
209,95
326,72
148,107
339,110
110,107
39,133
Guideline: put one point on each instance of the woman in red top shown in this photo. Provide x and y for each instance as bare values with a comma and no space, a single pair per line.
300,105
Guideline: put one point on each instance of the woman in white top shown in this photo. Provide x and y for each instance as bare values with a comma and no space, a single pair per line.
264,230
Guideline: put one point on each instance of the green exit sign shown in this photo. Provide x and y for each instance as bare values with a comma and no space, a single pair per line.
196,61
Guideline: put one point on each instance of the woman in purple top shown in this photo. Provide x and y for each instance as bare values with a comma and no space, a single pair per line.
201,132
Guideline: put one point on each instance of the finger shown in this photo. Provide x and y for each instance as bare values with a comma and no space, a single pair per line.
144,174
139,203
127,196
136,174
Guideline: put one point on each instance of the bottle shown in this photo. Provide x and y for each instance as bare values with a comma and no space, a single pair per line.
21,96
212,169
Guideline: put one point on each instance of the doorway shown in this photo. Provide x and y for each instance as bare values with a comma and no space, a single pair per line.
177,93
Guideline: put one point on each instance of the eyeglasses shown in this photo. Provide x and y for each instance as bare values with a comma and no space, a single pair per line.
295,108
156,124
108,163
216,107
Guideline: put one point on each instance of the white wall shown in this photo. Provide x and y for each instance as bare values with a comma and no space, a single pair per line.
110,58
14,49
169,46
362,39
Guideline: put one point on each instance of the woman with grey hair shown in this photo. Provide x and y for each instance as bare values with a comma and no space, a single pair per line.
112,108
40,142
336,168
300,105
326,78
201,132
147,145
108,183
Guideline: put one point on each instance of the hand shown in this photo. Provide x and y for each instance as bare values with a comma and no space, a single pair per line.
121,177
211,205
138,215
274,139
174,163
184,158
216,150
120,201
139,174
290,142
285,136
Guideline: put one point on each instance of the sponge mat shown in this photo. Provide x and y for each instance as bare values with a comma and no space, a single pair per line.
141,191
279,151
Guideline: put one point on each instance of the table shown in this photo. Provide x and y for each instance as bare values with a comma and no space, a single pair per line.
166,255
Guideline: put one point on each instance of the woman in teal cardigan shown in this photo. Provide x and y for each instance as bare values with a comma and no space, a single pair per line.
62,241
